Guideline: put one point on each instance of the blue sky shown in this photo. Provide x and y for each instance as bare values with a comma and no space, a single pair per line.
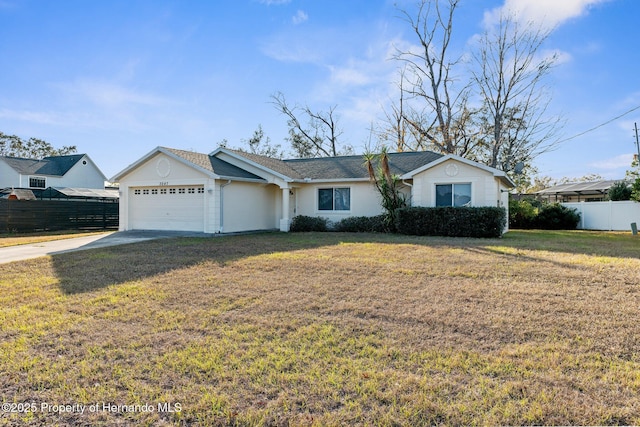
118,78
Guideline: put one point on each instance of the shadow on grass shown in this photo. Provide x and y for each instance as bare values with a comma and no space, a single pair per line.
93,269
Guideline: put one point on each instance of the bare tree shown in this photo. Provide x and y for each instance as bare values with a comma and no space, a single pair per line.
395,130
319,137
438,106
259,144
509,74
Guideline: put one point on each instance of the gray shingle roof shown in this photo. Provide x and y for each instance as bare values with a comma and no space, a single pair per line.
52,166
213,164
344,167
353,167
275,165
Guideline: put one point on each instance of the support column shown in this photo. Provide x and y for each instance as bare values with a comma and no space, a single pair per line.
284,220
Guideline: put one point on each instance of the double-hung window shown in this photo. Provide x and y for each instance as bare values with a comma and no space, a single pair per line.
334,199
453,194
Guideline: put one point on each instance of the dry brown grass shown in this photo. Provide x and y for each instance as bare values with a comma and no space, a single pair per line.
329,329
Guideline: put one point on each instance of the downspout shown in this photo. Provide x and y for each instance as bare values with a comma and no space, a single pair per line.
410,191
222,204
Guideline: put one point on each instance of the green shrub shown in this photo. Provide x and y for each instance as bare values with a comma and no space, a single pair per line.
523,213
308,223
452,221
635,190
620,191
363,224
554,216
530,213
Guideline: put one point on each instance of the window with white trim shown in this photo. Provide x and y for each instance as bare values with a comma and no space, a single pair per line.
37,182
453,194
334,199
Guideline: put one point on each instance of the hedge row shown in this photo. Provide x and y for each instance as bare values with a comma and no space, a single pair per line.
354,224
439,221
452,221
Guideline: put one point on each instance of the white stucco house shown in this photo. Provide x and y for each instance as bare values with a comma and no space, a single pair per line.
73,171
231,191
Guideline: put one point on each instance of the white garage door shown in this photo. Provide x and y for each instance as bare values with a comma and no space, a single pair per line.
166,208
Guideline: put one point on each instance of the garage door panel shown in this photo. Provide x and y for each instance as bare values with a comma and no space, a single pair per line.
167,208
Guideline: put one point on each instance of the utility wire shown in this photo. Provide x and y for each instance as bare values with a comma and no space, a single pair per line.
600,125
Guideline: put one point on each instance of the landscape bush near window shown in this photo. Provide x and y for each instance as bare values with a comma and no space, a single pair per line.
363,224
439,221
452,221
302,223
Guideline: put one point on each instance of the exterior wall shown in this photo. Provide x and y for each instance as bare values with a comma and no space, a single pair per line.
8,176
79,176
249,206
612,216
365,200
485,188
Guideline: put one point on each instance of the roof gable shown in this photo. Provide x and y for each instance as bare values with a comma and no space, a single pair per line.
269,164
52,166
443,158
211,166
214,165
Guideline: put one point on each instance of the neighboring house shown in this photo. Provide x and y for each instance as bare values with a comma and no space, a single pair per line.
73,171
230,191
594,191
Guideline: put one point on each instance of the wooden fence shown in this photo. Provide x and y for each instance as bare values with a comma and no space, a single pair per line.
37,215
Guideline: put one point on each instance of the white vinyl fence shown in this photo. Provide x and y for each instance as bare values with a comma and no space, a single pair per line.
613,216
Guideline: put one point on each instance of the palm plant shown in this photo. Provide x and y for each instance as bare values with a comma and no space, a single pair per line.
387,184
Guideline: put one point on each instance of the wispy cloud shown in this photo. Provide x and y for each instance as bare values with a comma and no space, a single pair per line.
291,46
274,2
108,94
68,119
617,162
38,117
95,105
548,13
299,17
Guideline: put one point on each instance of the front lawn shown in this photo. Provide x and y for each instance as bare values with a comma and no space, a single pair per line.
326,329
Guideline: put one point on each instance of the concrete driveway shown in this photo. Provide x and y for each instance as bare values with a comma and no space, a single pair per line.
35,250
